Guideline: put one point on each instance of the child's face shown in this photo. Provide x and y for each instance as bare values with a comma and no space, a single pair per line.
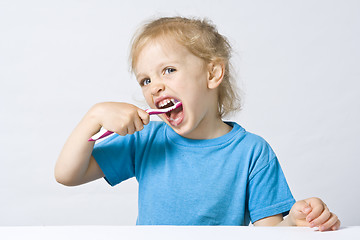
166,70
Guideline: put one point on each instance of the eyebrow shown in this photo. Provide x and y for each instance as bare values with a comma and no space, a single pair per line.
137,76
161,65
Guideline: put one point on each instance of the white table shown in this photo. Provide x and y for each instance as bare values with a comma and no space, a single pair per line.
172,233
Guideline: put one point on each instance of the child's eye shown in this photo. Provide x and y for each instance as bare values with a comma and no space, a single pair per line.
145,82
169,70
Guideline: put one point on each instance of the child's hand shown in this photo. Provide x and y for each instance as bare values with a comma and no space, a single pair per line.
121,118
313,212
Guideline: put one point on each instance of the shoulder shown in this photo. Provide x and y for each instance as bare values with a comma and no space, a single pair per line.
248,139
258,150
257,143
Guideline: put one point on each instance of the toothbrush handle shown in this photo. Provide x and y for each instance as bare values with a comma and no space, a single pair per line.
101,134
104,133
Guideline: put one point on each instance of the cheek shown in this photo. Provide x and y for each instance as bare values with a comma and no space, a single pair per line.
148,97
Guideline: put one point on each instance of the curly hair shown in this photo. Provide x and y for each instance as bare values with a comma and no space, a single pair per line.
203,40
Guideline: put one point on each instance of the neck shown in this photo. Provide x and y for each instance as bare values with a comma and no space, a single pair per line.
209,129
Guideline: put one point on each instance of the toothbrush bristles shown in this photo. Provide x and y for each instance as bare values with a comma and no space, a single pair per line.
164,110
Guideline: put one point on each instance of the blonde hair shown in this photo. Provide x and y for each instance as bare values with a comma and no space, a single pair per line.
202,39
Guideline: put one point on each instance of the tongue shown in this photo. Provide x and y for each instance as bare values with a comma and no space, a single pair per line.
175,113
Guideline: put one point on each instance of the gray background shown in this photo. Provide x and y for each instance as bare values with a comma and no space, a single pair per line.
296,61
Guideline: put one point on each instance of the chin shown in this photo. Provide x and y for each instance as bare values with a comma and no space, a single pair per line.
180,128
185,130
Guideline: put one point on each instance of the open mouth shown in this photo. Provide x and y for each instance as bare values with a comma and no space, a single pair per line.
174,117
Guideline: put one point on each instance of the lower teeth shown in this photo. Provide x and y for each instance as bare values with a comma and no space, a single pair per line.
171,119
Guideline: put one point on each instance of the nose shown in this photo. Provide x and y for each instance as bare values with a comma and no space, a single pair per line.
157,87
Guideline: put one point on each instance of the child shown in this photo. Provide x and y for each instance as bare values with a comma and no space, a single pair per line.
193,168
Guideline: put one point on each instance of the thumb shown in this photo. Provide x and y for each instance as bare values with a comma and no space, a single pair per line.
145,117
301,209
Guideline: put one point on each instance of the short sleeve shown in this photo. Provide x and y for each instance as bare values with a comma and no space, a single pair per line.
115,156
268,192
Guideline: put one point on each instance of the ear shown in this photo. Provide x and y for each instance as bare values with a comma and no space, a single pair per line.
215,74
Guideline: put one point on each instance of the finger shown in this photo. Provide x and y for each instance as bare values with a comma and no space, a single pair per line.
144,116
138,124
324,217
131,128
299,206
336,226
313,202
122,131
306,209
329,223
315,212
300,210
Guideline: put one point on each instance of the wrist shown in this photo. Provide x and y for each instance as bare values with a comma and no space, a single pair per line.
288,221
92,118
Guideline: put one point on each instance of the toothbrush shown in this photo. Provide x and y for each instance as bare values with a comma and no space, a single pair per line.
104,133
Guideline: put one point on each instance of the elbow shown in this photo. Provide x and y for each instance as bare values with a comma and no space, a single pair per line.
63,178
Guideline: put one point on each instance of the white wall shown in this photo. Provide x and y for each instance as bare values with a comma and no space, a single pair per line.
297,61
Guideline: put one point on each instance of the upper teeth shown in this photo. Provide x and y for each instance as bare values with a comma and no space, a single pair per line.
166,102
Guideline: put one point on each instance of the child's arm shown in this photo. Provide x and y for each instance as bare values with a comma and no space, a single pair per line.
75,164
311,212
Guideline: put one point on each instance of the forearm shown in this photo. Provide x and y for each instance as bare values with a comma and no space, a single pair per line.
276,220
75,164
74,159
286,222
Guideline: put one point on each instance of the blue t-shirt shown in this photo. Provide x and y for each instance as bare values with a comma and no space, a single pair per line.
228,180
